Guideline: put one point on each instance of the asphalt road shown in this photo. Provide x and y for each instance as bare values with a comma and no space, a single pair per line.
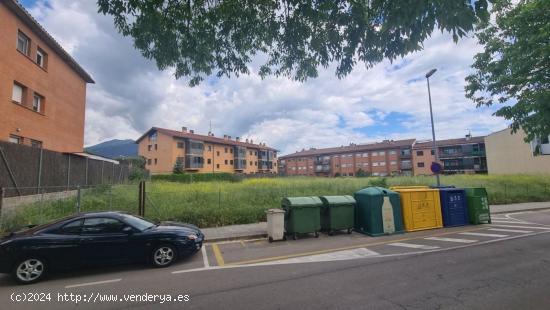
505,265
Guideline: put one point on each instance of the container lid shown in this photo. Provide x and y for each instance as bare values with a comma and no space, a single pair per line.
271,211
374,191
393,188
338,200
301,202
405,189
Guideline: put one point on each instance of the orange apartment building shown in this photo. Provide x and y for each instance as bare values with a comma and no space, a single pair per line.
378,159
42,88
166,149
463,155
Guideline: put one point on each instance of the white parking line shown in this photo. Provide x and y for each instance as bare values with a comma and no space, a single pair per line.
414,246
509,222
527,227
482,234
511,230
204,257
93,283
451,239
328,257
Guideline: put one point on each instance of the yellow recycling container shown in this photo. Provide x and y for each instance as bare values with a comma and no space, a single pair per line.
421,207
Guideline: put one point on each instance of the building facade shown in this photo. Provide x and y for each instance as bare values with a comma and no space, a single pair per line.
508,153
42,88
166,150
376,159
464,155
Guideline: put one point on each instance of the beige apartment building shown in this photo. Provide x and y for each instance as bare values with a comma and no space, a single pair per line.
42,88
508,153
378,159
166,149
462,155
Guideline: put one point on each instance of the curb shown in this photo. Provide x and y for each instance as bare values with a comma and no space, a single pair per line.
522,210
235,238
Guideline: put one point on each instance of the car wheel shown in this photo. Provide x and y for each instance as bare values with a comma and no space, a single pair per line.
163,256
29,270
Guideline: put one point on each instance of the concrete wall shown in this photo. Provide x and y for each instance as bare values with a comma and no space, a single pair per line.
60,126
510,154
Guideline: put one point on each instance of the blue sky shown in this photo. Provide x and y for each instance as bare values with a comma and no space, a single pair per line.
388,101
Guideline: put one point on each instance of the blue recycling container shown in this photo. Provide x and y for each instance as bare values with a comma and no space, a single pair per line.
454,208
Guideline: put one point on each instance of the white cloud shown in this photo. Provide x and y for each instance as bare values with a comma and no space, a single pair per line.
131,95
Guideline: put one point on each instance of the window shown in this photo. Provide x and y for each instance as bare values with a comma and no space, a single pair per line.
156,147
382,163
226,161
16,139
365,154
432,152
357,155
37,102
250,153
250,163
375,164
102,225
156,161
382,153
231,151
217,166
37,144
226,150
153,136
419,153
180,145
209,148
393,152
149,161
420,165
374,153
256,163
41,58
256,153
231,162
17,93
149,147
23,43
71,228
393,163
208,161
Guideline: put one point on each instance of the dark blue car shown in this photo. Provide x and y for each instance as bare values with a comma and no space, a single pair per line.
95,239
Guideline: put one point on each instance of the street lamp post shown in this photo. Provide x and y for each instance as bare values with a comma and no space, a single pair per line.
430,73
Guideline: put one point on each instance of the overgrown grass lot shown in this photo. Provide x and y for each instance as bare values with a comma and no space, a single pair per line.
217,203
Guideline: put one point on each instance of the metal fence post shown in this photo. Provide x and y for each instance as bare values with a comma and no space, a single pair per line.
141,206
219,197
505,193
69,173
110,197
39,171
78,199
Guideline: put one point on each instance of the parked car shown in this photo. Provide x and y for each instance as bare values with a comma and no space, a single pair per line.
95,239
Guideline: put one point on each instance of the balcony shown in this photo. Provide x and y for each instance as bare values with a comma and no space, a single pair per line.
406,166
322,168
322,161
239,164
193,162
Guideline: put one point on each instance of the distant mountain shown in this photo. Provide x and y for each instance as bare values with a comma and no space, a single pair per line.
114,148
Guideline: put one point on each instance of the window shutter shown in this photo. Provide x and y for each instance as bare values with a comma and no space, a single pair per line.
17,93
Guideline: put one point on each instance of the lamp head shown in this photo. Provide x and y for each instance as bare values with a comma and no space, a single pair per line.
430,73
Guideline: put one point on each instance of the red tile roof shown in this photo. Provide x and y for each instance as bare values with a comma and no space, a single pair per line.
188,135
352,148
27,18
449,142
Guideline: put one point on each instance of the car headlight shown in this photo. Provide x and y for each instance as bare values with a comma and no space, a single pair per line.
192,237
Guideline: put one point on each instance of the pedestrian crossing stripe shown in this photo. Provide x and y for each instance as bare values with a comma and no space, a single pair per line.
525,227
414,246
483,234
511,230
451,239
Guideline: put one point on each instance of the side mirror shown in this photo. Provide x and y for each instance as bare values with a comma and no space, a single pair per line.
128,230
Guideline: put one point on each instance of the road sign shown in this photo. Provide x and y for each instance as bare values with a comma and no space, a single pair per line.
436,168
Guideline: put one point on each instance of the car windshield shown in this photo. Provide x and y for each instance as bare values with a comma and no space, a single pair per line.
137,222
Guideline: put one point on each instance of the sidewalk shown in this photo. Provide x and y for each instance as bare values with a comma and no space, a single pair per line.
259,230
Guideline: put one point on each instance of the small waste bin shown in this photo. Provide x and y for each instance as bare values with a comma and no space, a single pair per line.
275,224
337,213
378,212
478,205
302,215
421,207
453,206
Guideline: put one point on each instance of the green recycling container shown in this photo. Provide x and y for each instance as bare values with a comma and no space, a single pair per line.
478,205
378,212
302,215
337,213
